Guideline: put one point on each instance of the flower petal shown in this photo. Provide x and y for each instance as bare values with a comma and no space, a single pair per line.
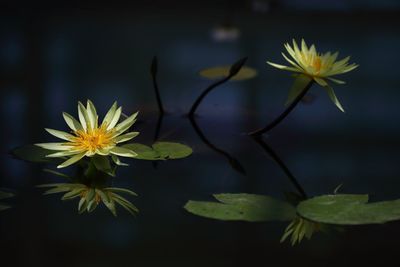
72,122
282,67
126,137
336,80
110,114
60,134
126,124
71,161
92,114
117,161
55,146
115,118
83,116
63,154
123,152
320,81
333,97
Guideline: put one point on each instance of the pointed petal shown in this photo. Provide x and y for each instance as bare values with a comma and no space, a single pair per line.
117,161
282,67
71,161
304,47
320,81
83,116
60,134
55,146
115,118
72,122
336,80
110,114
333,97
63,154
290,50
126,137
291,62
126,124
123,152
92,113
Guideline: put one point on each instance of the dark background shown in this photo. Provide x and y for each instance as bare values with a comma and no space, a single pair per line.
54,54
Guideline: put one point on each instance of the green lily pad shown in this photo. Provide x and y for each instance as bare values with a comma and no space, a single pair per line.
160,151
243,207
218,72
32,153
343,209
169,150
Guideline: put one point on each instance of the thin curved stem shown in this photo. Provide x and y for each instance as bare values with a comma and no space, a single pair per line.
232,72
258,139
284,113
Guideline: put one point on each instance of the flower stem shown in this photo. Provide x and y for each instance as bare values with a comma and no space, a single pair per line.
284,113
232,72
153,71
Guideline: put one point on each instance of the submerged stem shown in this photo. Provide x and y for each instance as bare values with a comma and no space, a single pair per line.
258,139
284,113
232,72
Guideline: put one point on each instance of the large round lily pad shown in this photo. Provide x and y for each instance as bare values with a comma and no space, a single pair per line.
343,209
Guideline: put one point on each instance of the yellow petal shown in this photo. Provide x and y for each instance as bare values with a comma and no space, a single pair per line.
72,122
60,134
71,161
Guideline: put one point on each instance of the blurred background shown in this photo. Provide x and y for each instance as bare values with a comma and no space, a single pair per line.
55,54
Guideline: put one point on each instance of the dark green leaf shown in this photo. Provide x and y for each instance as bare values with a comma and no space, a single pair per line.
345,209
35,154
169,150
243,207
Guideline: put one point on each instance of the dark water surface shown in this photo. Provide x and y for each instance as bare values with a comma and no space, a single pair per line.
49,62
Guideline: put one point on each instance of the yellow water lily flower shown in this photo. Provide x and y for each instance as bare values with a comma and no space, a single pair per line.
313,66
316,65
88,138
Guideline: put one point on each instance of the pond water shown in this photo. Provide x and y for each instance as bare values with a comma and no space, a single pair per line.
61,58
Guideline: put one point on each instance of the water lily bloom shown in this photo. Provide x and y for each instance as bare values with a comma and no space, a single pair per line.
309,65
88,138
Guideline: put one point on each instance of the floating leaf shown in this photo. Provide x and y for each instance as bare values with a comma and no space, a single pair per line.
243,207
169,150
160,151
214,73
344,209
32,153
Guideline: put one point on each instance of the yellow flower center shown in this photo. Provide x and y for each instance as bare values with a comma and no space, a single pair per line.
93,139
316,64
